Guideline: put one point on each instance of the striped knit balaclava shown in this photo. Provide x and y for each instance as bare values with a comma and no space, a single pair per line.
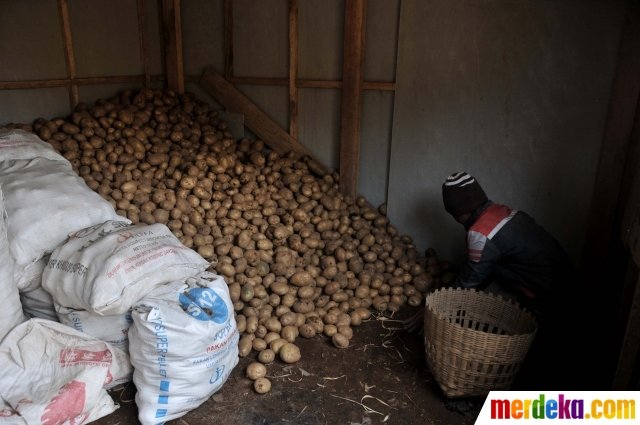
462,194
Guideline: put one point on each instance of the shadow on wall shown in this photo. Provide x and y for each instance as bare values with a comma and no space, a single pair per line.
438,225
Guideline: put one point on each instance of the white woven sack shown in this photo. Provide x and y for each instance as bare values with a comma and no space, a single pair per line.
45,201
11,312
107,268
113,329
52,374
8,416
19,144
183,346
30,276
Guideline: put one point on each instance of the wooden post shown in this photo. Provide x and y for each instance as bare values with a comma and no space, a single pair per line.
144,41
228,39
354,37
174,65
293,68
63,9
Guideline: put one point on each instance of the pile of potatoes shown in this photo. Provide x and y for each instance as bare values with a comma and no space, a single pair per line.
300,259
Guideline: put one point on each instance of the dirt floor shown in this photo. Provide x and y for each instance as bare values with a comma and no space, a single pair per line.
381,378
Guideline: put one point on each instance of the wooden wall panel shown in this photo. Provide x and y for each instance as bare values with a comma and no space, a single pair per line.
203,35
375,145
24,106
321,30
319,121
105,37
383,19
30,41
260,34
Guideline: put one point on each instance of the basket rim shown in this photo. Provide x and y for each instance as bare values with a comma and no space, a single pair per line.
533,328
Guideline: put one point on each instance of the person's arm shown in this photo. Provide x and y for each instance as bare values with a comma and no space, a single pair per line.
483,256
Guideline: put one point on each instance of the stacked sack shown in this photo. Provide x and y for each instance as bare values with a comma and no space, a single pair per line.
183,346
52,374
44,200
140,289
98,275
115,287
11,314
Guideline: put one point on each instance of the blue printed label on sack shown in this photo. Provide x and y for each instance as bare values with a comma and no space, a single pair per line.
204,304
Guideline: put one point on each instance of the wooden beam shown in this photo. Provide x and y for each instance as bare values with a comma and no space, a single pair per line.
255,119
228,38
174,64
68,82
308,84
352,77
293,68
144,41
63,10
614,148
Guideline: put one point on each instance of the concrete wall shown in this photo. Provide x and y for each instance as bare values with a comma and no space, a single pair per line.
513,92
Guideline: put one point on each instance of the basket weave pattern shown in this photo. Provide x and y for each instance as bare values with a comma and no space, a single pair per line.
475,341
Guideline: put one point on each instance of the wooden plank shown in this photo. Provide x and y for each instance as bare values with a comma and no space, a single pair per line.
352,77
310,84
144,41
63,10
293,68
173,57
614,148
255,119
379,85
67,82
630,350
228,38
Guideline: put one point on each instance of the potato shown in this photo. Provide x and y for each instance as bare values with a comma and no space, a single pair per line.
262,385
244,346
129,187
256,370
266,356
241,323
289,353
273,324
307,330
290,333
330,330
346,331
277,344
301,278
252,325
364,313
306,292
271,336
288,319
247,292
258,344
340,341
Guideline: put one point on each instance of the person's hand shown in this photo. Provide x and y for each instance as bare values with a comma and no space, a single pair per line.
415,322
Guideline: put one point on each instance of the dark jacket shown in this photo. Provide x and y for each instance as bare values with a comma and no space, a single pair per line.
506,246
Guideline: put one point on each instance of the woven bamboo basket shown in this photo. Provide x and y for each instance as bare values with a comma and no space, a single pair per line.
475,341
